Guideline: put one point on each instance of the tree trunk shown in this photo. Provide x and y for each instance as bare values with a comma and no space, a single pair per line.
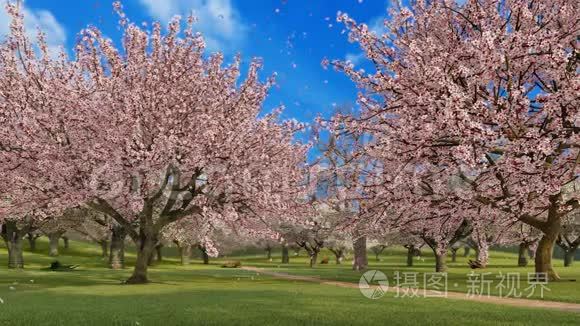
204,255
156,256
117,249
31,241
65,240
15,257
569,256
440,265
338,255
285,254
482,251
269,253
410,254
466,251
53,243
159,252
378,250
440,257
454,255
145,250
522,255
544,252
360,262
482,257
313,258
12,237
569,249
152,257
185,253
104,248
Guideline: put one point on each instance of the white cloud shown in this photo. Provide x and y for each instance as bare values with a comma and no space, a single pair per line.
377,25
354,58
34,19
218,20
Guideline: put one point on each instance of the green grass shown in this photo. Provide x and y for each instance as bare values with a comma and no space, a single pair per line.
198,294
394,260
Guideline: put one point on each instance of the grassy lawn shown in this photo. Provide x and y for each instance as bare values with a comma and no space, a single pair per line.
198,294
394,260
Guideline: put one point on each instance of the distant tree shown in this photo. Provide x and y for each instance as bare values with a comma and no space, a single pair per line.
569,238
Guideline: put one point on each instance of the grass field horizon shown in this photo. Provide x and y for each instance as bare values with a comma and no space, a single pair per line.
209,294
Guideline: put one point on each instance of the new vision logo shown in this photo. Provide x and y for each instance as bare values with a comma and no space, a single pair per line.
373,284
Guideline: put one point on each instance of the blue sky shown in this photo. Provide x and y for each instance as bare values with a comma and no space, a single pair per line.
291,36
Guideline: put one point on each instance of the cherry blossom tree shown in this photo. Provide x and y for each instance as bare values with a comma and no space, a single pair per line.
525,237
117,247
32,237
97,230
29,81
413,244
14,228
13,231
426,209
383,240
569,238
106,232
377,249
493,230
484,90
188,233
339,243
55,227
310,234
267,244
338,177
442,237
148,134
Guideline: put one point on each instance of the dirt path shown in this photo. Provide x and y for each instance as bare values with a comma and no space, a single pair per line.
514,302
